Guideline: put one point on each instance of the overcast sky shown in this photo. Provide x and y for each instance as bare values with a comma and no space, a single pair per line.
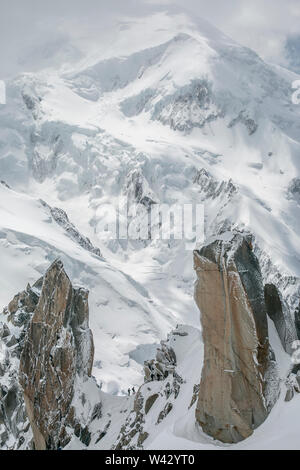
30,26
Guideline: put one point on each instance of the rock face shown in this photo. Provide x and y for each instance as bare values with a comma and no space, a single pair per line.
190,107
62,219
239,382
293,191
297,321
247,121
58,348
279,312
138,190
164,363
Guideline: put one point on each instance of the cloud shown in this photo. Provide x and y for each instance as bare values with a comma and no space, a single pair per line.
35,33
262,25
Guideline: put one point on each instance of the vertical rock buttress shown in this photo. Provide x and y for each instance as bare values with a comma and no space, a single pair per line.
239,383
58,348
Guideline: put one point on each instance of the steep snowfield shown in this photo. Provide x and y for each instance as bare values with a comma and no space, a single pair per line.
201,119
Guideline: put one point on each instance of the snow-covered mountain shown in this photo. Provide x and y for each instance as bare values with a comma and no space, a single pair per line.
170,111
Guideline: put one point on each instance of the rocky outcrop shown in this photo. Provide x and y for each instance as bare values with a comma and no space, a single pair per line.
5,184
297,321
32,101
46,358
62,219
211,188
287,284
292,383
164,363
239,382
247,121
157,397
222,194
191,106
58,347
138,190
15,430
280,314
293,191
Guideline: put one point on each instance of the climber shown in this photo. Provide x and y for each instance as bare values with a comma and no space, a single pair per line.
129,392
133,390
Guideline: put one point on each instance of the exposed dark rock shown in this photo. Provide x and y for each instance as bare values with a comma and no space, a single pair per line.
142,437
58,347
244,119
14,423
195,395
150,402
83,434
61,218
297,321
192,106
20,309
279,312
4,332
206,181
289,394
129,436
294,190
168,407
5,184
104,432
134,432
239,383
45,149
221,191
135,105
97,411
164,363
138,190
